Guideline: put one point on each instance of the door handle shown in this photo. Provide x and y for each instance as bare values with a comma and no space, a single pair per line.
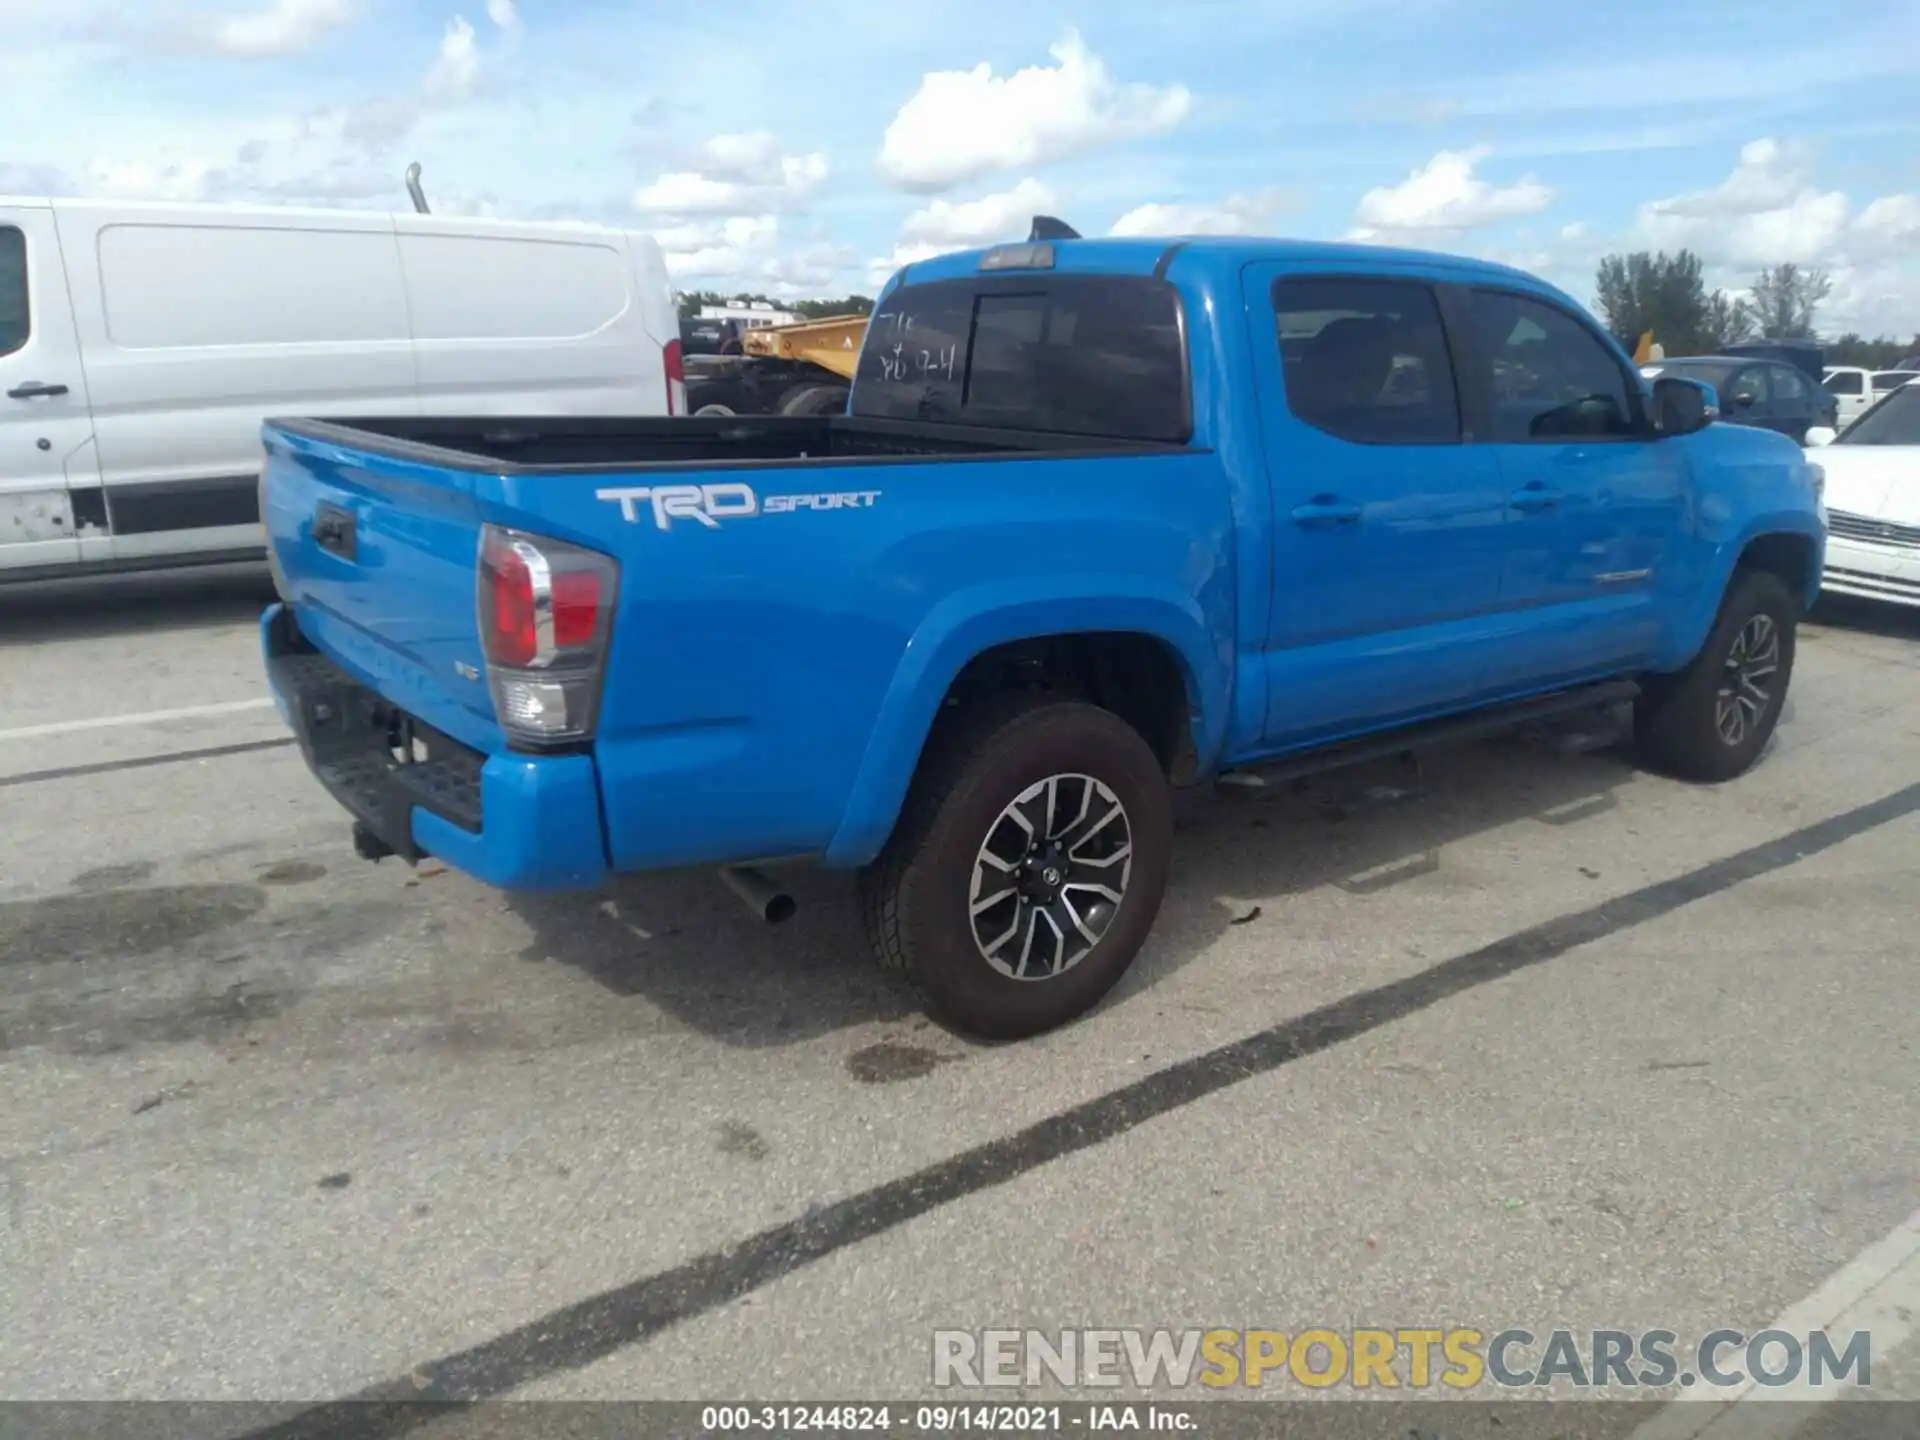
1324,510
34,389
1533,498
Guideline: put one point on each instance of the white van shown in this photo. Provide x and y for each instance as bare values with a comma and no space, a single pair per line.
141,345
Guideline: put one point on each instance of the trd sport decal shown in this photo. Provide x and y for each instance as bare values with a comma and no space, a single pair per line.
708,505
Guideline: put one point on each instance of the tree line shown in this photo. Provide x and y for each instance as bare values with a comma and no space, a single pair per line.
1668,295
691,302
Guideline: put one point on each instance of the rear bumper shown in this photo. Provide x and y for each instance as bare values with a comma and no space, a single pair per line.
519,822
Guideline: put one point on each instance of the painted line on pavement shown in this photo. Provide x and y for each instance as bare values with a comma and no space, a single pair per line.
1878,1291
631,1313
150,717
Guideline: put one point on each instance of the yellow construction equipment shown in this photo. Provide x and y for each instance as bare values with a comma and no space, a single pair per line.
832,343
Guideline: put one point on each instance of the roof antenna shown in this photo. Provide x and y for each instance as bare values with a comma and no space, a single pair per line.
1045,227
413,188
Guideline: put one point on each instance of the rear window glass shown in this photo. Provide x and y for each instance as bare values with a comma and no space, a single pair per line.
1072,354
14,323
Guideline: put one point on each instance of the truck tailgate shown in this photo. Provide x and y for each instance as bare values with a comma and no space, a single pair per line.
376,556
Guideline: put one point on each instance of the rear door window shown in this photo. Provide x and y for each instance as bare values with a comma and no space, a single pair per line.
1790,390
16,323
1844,382
1748,389
1366,360
1069,354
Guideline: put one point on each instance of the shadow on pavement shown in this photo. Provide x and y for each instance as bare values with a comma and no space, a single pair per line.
46,611
1870,617
683,943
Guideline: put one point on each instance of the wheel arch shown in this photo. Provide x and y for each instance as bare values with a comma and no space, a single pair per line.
1086,648
1791,545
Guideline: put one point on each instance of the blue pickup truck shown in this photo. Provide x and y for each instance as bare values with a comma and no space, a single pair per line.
1103,518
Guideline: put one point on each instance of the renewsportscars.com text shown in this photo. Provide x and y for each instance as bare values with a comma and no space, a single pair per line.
1414,1358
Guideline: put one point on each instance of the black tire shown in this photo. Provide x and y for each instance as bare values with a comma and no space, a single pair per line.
917,897
713,397
1679,719
815,400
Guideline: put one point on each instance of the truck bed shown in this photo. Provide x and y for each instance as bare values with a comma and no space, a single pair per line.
512,445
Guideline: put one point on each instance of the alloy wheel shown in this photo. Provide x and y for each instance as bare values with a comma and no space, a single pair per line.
1746,680
1050,877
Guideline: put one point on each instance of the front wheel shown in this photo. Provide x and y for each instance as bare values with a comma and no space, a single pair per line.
1711,721
1027,870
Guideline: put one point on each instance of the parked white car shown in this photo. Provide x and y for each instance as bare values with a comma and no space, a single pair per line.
142,345
1873,500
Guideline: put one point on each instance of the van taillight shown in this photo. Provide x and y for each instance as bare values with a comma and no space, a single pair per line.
676,376
546,608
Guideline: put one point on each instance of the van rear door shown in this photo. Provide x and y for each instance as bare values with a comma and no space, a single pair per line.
46,428
514,319
197,322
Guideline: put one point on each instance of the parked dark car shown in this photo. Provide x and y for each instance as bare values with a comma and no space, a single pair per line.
1768,393
710,337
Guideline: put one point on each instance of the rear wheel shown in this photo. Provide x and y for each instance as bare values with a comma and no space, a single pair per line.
1711,721
1028,867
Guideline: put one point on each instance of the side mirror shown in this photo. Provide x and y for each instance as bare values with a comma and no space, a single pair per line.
1680,407
1819,435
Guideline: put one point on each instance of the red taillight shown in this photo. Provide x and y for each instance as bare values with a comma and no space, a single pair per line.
511,634
542,603
676,374
546,611
576,609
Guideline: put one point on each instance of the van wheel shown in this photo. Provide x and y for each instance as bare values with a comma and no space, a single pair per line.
1027,868
815,400
1710,721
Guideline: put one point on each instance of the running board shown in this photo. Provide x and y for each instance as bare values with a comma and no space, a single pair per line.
1453,730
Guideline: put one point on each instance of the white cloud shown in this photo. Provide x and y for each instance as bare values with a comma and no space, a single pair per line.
285,27
1235,215
137,180
1892,219
739,174
1770,209
944,226
964,124
958,224
1767,211
503,14
1444,197
719,248
30,178
456,68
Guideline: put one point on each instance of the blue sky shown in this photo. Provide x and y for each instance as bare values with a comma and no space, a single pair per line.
805,148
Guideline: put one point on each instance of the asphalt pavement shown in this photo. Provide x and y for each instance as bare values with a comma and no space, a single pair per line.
1518,1037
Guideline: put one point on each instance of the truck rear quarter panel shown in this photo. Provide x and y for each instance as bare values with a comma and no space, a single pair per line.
773,675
